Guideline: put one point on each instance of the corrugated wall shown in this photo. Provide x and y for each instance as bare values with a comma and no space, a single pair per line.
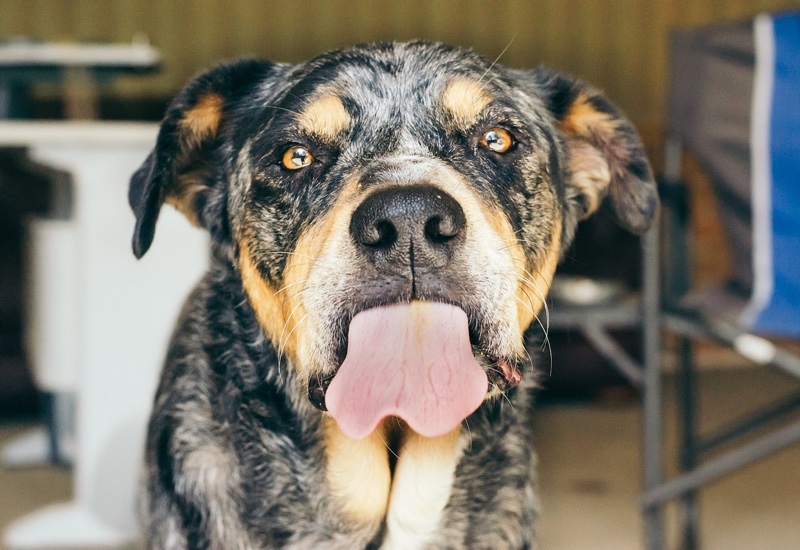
618,45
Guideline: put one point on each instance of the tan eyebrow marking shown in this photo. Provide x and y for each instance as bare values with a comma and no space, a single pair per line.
465,99
325,117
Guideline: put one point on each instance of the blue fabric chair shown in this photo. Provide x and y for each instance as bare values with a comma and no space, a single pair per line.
735,104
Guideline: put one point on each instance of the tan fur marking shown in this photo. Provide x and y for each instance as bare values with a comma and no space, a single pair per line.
202,120
533,290
325,117
590,135
311,246
182,196
198,123
533,280
421,487
589,173
465,99
268,305
281,312
358,472
583,120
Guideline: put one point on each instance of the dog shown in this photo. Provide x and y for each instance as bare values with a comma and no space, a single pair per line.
385,221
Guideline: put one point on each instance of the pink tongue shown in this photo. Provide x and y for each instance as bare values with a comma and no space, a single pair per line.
408,360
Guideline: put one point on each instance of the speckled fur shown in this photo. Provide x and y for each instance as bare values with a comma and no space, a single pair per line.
236,453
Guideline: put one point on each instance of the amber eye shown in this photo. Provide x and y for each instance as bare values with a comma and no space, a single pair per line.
498,140
296,157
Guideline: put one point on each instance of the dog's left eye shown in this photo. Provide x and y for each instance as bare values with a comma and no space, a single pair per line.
296,157
498,140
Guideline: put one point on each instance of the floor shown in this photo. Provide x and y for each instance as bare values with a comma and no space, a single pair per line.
589,467
26,489
589,474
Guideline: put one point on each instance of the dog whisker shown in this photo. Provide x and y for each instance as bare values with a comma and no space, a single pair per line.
531,285
469,434
289,299
536,317
491,368
283,109
281,342
524,268
534,245
541,295
388,447
291,253
497,59
545,327
503,394
290,285
280,353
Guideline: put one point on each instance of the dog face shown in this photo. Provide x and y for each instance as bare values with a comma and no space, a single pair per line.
389,174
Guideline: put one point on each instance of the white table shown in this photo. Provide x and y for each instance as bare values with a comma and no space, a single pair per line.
124,312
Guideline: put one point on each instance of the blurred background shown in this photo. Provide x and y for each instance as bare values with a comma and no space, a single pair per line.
619,46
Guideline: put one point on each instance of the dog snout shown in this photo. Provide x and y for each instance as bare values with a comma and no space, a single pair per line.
417,226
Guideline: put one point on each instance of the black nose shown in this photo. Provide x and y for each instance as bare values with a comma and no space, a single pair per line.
418,226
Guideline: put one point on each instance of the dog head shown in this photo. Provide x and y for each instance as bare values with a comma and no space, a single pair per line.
392,174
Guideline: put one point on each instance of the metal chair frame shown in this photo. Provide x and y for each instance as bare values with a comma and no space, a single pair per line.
656,311
696,469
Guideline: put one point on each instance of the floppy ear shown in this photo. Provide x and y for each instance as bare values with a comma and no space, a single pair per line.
604,154
178,170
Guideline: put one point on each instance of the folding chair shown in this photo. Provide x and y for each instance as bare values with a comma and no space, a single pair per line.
734,102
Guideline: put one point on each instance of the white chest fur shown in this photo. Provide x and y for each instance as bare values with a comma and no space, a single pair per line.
420,490
411,499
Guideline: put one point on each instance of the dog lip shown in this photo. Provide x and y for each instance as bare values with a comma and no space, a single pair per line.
503,374
317,388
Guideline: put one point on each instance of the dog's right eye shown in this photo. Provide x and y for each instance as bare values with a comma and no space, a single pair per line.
296,157
498,140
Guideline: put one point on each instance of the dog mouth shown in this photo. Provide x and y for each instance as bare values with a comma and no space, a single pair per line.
419,361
